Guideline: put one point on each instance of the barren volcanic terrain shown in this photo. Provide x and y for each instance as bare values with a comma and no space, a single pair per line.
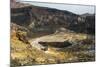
41,35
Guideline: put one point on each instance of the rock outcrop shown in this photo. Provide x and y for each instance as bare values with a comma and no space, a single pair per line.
90,20
42,19
19,32
21,14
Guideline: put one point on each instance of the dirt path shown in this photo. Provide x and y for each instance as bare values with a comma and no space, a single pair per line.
34,43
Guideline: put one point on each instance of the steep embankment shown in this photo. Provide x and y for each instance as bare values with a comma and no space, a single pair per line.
22,52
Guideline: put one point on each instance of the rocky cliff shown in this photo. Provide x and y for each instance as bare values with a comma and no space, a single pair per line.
43,19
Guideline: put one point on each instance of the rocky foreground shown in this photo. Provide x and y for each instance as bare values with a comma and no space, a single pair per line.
42,35
51,49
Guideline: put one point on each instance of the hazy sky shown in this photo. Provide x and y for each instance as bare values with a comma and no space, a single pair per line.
78,9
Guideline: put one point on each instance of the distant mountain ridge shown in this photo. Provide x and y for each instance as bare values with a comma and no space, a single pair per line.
43,19
88,14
